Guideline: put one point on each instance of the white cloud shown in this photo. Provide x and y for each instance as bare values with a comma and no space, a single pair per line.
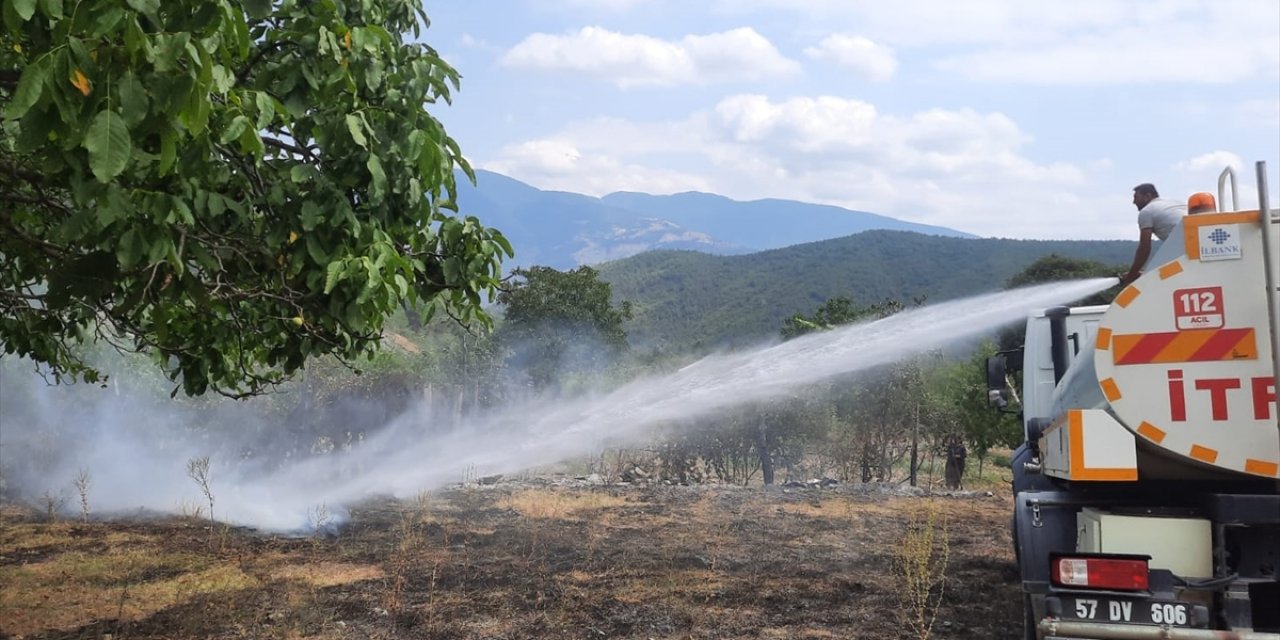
633,60
946,22
825,129
1124,57
959,168
1211,162
559,163
1079,42
870,60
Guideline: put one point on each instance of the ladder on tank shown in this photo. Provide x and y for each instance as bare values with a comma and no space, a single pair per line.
1270,220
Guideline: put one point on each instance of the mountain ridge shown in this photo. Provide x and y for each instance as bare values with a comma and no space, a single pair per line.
562,229
691,300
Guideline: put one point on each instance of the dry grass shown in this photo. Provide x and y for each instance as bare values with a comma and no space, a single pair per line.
328,574
559,505
517,562
78,587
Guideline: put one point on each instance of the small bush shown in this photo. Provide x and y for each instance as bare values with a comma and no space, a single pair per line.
922,567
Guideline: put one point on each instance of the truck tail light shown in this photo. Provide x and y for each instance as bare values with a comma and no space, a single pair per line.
1091,572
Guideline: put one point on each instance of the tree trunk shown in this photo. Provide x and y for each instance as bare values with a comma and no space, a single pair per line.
915,446
766,459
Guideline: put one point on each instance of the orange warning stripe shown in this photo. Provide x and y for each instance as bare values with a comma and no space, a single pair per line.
1078,471
1109,389
1204,454
1127,296
1104,339
1196,345
1261,467
1170,270
1151,432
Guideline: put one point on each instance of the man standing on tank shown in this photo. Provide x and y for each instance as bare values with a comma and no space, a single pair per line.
1156,217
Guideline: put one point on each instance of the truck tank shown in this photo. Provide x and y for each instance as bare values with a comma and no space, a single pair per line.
1183,361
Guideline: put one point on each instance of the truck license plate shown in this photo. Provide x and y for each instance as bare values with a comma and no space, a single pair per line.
1174,614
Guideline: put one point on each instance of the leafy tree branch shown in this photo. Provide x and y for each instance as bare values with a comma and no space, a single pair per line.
231,186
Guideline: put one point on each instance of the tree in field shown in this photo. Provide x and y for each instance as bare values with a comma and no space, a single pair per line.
558,322
1056,268
233,186
957,397
835,312
870,400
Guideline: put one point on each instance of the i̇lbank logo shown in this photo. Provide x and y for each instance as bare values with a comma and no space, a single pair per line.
1219,242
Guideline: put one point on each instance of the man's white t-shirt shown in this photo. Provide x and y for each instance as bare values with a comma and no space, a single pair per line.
1161,215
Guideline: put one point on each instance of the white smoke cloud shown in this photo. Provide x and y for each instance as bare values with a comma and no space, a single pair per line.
136,452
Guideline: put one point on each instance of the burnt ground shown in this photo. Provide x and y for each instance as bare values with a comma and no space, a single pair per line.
519,561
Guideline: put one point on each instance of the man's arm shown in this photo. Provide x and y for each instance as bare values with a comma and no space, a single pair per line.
1139,257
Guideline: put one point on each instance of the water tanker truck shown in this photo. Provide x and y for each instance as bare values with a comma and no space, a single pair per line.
1147,493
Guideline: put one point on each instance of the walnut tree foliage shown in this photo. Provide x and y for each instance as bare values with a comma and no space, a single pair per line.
233,186
555,321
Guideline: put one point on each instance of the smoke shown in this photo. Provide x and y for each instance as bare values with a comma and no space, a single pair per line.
136,452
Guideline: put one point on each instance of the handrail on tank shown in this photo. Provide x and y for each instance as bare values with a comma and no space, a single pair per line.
1269,258
1222,198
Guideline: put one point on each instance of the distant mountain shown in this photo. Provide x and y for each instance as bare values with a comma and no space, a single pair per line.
688,300
564,230
764,224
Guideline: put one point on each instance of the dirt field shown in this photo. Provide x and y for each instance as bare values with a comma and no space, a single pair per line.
515,561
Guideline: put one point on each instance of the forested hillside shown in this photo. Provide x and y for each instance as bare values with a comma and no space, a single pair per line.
685,299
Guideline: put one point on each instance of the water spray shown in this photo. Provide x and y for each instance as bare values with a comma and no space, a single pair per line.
400,460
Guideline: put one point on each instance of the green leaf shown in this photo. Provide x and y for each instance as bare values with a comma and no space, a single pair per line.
266,108
145,7
310,215
316,250
168,50
257,9
168,150
379,178
223,79
29,88
129,249
195,113
24,8
302,173
332,275
10,16
133,99
52,9
502,242
357,130
251,143
105,20
135,40
235,17
234,129
108,144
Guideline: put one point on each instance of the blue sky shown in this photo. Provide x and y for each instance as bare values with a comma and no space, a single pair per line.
997,117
